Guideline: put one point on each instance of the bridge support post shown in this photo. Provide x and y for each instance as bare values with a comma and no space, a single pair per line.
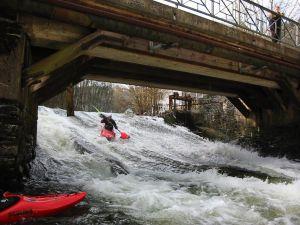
70,100
18,108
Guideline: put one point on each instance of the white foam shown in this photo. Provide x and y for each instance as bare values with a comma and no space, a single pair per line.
154,190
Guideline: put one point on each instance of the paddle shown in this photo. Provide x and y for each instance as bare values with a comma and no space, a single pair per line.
96,109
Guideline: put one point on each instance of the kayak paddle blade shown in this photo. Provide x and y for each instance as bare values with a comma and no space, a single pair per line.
124,135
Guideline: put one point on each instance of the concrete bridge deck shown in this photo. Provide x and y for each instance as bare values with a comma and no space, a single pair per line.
50,45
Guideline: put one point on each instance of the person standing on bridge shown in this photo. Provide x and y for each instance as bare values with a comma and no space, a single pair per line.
275,22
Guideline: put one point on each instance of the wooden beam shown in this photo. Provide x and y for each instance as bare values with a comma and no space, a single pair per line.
147,73
276,98
66,72
171,50
59,80
70,100
175,52
257,97
292,89
132,57
47,65
240,106
97,66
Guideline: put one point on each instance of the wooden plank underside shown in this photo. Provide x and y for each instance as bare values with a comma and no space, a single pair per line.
119,79
130,57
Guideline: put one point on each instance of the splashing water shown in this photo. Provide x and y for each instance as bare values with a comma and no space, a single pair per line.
162,175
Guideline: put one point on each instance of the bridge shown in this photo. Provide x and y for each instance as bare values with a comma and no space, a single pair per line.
48,46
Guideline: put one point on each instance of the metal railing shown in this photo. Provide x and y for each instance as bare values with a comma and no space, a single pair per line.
245,14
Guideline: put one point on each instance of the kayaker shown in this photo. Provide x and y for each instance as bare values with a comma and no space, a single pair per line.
110,124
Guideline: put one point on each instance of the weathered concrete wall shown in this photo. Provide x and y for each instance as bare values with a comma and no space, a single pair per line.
18,109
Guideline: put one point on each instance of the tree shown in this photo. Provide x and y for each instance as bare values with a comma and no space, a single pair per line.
121,99
146,100
87,94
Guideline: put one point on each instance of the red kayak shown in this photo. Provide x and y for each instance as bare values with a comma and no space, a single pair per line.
22,206
110,135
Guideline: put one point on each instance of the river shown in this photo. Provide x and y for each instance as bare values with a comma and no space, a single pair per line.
162,175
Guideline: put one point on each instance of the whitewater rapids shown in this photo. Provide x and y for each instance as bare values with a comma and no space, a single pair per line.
157,176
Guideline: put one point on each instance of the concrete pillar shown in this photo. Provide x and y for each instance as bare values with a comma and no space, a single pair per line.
18,109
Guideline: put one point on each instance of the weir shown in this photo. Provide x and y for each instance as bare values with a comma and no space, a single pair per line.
49,46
